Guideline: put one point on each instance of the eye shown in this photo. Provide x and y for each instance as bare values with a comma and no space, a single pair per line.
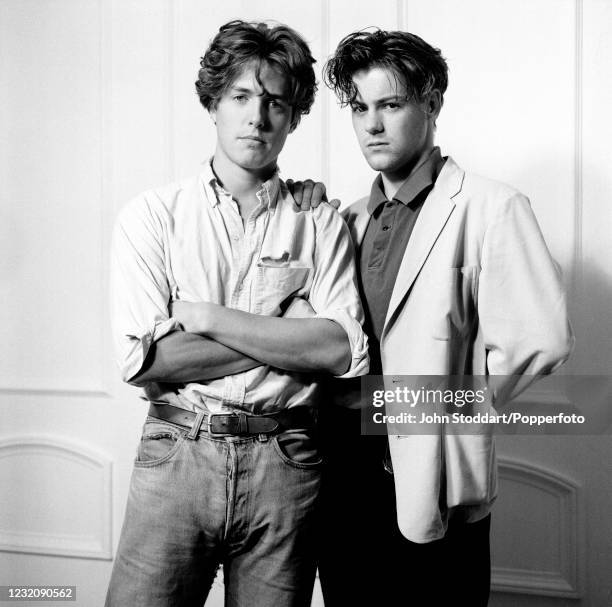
277,105
357,109
392,105
240,98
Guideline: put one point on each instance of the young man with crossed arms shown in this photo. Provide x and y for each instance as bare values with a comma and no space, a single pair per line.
227,300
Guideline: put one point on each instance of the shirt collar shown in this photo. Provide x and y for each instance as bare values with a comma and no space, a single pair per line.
424,176
267,195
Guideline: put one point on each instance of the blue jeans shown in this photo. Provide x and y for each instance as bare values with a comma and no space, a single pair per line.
245,502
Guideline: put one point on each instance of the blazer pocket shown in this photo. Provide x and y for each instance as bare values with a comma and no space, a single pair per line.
470,465
453,294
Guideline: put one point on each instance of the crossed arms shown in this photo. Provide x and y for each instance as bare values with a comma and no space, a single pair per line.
160,337
219,341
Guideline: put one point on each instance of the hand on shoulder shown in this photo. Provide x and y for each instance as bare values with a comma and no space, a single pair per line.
309,194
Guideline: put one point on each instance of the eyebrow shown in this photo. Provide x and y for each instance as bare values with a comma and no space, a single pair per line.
392,98
382,100
240,89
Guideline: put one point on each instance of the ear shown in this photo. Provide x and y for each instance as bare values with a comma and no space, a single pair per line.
433,104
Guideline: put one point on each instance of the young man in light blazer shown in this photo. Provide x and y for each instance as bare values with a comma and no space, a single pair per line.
456,279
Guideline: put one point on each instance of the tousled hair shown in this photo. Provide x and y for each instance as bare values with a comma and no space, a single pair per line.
240,43
418,65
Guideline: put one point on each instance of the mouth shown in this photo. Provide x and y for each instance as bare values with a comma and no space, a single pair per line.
253,138
376,144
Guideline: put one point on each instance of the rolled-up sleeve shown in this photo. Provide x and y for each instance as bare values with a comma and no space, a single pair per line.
139,287
334,293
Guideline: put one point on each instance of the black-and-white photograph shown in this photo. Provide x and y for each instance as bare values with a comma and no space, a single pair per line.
306,304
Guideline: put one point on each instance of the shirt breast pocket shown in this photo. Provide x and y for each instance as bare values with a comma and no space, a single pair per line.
275,284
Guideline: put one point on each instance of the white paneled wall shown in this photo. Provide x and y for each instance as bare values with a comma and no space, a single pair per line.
510,109
98,104
52,196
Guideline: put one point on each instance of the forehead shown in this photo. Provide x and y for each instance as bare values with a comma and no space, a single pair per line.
261,78
378,82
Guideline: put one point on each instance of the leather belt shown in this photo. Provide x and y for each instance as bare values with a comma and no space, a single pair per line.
234,424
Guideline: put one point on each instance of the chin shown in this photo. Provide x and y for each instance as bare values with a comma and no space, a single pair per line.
378,164
251,163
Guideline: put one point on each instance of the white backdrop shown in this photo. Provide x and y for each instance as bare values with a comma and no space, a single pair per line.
98,104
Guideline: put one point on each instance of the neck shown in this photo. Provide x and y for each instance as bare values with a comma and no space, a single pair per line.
393,181
240,182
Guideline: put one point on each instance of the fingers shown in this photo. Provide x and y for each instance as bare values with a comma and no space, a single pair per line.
318,195
307,194
335,202
296,189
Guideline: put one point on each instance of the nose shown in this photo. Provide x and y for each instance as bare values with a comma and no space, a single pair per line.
257,118
373,123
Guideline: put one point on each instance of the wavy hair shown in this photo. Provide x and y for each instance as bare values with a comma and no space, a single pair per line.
239,43
418,65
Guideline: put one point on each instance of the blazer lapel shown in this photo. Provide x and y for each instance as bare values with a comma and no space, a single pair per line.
430,223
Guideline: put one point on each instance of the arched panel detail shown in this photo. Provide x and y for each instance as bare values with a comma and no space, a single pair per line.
540,552
57,498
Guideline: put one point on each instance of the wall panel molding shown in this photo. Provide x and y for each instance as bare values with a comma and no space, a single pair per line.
565,581
107,189
326,169
172,36
94,381
57,498
578,151
401,15
52,391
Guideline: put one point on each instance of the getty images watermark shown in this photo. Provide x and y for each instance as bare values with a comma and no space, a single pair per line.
432,404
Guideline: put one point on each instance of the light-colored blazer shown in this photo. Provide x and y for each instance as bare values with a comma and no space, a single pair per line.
477,293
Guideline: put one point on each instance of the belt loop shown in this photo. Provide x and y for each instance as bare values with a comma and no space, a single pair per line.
243,424
193,433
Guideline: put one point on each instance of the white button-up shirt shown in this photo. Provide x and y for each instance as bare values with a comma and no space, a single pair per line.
187,242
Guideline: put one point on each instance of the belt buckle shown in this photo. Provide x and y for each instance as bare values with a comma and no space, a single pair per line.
209,423
242,424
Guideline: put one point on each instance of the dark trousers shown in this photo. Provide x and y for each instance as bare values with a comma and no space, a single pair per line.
363,557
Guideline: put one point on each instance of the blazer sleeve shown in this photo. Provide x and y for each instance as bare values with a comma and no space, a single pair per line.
521,302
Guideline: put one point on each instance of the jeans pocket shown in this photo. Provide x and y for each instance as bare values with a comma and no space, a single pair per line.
298,449
159,443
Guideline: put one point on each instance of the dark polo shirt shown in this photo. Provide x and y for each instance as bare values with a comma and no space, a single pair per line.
385,241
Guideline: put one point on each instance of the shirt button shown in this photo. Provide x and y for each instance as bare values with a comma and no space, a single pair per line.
385,228
389,204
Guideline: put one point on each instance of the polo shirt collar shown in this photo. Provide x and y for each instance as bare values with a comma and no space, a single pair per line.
424,176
